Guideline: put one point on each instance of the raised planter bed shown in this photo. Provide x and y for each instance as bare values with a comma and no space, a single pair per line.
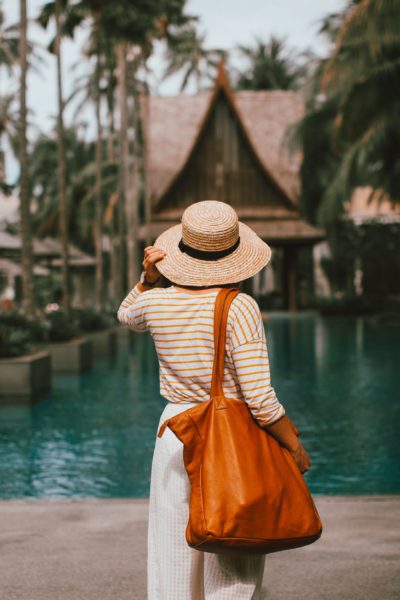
104,343
25,378
74,355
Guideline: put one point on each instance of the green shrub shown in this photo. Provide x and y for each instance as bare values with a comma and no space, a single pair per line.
62,327
47,289
89,319
17,332
13,342
37,328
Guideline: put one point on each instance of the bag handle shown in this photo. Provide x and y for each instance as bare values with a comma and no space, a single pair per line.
222,304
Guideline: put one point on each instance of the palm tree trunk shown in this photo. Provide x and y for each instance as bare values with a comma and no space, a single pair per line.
116,290
28,298
140,167
147,197
121,79
63,211
98,184
130,195
111,121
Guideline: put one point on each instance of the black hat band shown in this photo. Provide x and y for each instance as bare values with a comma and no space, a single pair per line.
205,254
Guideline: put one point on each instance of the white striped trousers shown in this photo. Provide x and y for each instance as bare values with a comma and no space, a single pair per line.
174,570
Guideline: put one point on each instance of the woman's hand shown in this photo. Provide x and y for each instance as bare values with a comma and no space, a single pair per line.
301,457
151,256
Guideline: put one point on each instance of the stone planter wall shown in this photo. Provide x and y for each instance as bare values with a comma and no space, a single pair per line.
25,377
104,343
72,356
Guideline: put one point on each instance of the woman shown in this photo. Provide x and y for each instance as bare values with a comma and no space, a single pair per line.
210,249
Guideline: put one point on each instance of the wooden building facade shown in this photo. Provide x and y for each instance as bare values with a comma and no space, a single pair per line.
228,146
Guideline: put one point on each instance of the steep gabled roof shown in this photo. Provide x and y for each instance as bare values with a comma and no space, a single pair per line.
268,117
173,125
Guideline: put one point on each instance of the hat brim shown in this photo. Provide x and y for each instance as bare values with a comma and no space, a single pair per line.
249,258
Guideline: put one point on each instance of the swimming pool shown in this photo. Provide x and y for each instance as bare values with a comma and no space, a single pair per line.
338,379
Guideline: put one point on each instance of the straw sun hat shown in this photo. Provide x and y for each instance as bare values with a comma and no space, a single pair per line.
211,247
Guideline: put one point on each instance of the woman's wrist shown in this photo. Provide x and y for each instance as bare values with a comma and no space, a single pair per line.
147,282
144,287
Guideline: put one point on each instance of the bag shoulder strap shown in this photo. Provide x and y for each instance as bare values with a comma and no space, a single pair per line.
222,304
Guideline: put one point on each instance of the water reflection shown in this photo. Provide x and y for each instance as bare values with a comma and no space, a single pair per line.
94,434
338,378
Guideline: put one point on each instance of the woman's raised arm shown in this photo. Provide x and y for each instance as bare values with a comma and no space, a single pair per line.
132,309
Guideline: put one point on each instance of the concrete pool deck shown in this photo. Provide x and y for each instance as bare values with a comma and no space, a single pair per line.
93,549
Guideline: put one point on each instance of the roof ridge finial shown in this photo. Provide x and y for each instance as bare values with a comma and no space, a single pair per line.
222,79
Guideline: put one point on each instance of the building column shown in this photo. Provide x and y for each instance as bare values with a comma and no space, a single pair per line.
289,275
82,290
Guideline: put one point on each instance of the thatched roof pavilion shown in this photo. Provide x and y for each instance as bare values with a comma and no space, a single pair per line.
227,146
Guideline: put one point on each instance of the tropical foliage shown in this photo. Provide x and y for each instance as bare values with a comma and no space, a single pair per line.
271,66
351,131
187,54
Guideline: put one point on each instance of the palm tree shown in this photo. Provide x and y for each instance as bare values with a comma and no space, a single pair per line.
312,135
131,157
134,29
186,53
130,28
9,41
8,130
80,183
363,74
28,299
9,58
63,213
74,15
89,89
271,66
114,203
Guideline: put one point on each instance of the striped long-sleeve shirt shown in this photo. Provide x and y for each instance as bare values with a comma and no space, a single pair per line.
181,325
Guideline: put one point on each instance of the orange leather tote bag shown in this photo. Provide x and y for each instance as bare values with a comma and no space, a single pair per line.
247,494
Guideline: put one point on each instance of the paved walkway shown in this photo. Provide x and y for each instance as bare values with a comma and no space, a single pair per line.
96,550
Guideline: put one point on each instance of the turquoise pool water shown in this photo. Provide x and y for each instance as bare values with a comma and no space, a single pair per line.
338,378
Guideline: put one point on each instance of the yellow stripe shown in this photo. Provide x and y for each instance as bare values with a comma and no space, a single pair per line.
251,355
241,375
184,333
191,369
237,351
250,380
235,335
250,309
264,399
187,362
180,305
182,324
240,325
168,312
245,318
183,321
179,346
195,354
